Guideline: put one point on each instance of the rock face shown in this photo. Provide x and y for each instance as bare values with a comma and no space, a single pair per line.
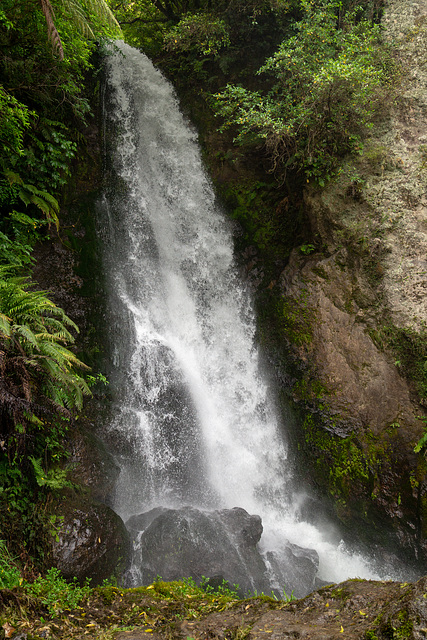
355,315
91,465
91,542
219,545
354,609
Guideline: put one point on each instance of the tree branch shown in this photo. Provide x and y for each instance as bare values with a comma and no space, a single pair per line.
144,20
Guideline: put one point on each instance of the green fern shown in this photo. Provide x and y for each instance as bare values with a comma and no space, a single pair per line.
55,479
78,12
35,333
29,194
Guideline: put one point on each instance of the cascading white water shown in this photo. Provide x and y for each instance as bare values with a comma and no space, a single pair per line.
193,421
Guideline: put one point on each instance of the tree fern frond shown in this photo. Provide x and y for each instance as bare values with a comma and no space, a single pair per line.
57,327
98,8
12,177
5,328
25,332
35,333
79,18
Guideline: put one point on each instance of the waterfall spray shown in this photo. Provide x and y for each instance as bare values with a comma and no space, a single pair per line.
194,425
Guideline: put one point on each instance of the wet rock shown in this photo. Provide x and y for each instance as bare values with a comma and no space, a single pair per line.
353,307
354,609
91,540
294,569
218,545
91,465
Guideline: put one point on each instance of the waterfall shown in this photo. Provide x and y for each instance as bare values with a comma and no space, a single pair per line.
193,425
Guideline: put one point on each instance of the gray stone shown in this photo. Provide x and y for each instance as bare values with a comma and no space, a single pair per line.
91,541
218,545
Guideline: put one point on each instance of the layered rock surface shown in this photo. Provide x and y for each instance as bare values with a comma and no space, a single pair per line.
358,295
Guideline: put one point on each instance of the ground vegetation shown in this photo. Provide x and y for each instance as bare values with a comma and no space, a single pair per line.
354,609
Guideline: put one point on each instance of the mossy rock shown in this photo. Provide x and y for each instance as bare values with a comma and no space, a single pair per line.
91,540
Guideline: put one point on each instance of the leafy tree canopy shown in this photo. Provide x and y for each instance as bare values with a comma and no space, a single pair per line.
327,82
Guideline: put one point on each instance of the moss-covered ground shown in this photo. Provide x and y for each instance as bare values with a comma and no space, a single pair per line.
355,609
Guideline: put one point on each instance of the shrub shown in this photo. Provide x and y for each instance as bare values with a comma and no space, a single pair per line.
327,83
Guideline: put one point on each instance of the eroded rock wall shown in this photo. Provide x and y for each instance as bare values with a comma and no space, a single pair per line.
355,312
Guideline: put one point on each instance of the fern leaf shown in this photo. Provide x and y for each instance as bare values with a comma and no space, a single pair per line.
12,177
5,328
25,332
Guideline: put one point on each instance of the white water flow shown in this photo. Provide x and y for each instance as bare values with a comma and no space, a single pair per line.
193,422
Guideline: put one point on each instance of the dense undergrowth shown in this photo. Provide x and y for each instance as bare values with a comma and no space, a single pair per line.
50,605
45,54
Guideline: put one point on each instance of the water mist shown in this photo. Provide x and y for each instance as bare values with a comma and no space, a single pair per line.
193,424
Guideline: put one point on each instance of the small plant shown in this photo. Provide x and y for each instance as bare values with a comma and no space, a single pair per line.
54,479
10,575
306,249
56,593
92,380
290,598
223,589
422,442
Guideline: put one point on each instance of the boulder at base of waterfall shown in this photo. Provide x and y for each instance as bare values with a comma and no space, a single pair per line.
91,541
187,542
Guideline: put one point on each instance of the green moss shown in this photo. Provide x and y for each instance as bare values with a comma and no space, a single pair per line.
342,462
296,318
253,199
321,272
308,389
340,594
410,351
404,627
375,158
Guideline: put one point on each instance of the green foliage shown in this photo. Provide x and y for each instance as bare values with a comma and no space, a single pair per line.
223,589
200,33
306,249
54,479
187,589
327,84
31,195
46,51
46,160
290,597
34,333
56,593
39,385
422,442
14,120
10,576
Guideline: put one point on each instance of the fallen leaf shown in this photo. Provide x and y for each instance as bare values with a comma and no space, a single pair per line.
8,630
